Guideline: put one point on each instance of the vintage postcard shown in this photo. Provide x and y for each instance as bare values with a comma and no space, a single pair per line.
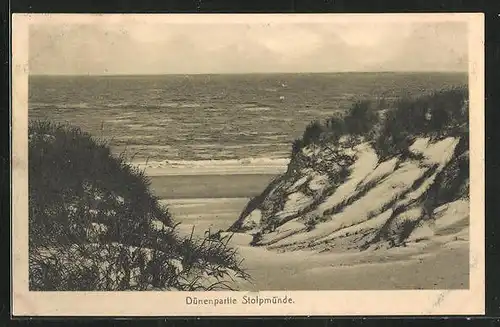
257,165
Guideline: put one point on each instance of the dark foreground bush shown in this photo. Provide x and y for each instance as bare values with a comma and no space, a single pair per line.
95,225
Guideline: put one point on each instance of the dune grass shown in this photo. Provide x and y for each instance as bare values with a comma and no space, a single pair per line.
94,223
438,113
359,121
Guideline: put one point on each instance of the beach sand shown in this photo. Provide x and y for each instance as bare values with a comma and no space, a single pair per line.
204,214
429,265
205,187
400,268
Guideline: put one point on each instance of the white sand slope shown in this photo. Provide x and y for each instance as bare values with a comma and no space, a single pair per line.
379,202
294,203
364,165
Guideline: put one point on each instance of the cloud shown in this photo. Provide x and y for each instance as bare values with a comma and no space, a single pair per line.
288,41
373,34
432,47
158,48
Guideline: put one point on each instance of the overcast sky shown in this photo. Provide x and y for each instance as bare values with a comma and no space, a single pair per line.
163,48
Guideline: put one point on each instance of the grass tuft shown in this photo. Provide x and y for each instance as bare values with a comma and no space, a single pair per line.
94,223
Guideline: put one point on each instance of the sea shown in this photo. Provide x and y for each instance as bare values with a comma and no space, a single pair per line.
203,121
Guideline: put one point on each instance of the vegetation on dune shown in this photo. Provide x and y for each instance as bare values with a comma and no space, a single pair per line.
438,114
391,130
452,183
256,201
359,121
95,225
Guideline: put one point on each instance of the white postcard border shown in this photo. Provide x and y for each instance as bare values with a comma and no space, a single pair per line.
351,303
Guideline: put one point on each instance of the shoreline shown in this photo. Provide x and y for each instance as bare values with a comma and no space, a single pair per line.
246,166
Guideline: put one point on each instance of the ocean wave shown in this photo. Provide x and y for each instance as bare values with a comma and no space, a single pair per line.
257,109
190,105
118,120
39,105
118,105
168,105
242,133
78,105
236,146
180,99
319,112
251,104
265,165
274,138
212,109
172,104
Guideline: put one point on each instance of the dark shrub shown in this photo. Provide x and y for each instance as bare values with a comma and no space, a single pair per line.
74,180
360,119
256,238
312,133
449,108
438,114
336,128
452,183
296,146
95,225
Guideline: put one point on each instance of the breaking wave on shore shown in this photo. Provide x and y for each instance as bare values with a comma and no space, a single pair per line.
214,167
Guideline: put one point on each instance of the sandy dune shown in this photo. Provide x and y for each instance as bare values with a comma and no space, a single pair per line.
333,255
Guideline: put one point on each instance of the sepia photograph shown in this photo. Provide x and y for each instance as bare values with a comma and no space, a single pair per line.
266,157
